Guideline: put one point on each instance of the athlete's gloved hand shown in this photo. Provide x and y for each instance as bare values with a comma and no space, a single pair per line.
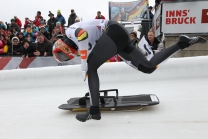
84,70
84,74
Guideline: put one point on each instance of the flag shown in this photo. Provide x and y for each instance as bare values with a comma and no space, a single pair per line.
144,45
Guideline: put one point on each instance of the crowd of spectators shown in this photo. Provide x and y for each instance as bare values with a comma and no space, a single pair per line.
36,37
33,37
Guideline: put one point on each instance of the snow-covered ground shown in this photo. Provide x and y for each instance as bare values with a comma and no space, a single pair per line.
30,99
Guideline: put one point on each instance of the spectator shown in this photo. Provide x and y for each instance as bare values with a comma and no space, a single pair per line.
134,39
21,38
146,24
42,20
17,21
34,28
10,35
58,25
99,16
148,14
155,44
151,16
51,22
3,31
27,21
14,32
55,33
2,25
45,33
46,28
72,18
3,35
29,34
42,24
4,41
27,49
14,25
43,46
37,19
15,48
60,18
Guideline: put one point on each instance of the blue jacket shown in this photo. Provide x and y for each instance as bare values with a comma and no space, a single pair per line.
61,19
32,35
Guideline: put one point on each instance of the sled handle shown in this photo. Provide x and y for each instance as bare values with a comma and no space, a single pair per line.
109,90
105,92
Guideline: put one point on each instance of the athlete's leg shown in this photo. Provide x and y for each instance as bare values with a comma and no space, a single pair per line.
106,47
139,61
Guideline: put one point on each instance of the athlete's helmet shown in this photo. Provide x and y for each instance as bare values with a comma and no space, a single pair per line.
62,52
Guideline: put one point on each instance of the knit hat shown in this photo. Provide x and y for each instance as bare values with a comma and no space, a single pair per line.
12,20
15,38
58,23
59,11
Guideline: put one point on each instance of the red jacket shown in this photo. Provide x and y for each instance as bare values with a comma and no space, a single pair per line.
26,23
102,17
37,21
18,22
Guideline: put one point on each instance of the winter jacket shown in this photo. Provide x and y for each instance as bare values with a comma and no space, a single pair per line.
136,42
51,23
71,19
31,35
21,40
29,51
35,29
61,19
46,34
46,46
102,17
14,26
37,21
18,22
16,49
26,23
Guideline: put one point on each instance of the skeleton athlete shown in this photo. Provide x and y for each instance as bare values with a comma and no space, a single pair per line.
97,41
